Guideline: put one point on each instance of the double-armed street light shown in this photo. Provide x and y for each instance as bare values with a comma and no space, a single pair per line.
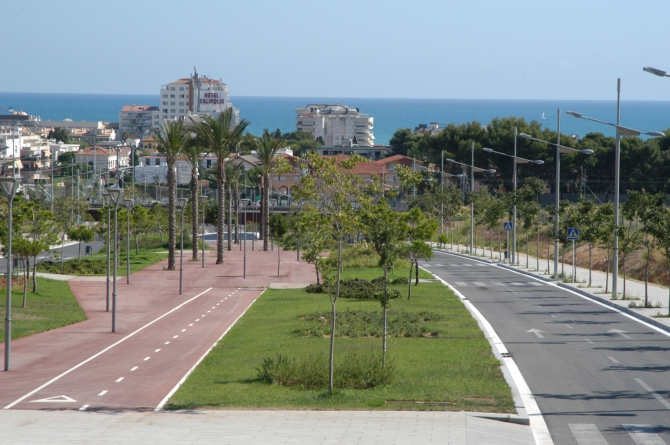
181,206
203,201
559,149
517,160
116,195
620,131
473,169
129,208
108,203
10,186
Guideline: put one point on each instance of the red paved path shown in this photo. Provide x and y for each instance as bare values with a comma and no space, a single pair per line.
149,366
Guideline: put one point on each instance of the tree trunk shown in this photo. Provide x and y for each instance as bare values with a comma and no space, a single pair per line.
266,211
333,318
230,219
416,272
221,211
79,251
624,276
590,263
172,225
194,214
386,279
26,273
527,249
261,210
34,276
409,283
537,250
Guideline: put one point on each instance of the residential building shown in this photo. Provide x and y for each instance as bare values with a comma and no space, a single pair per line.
137,120
153,169
337,125
432,129
373,153
104,159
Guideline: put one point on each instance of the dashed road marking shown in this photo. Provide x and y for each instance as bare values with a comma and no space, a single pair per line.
643,434
157,350
568,326
479,284
198,319
175,336
103,393
83,408
167,342
146,358
183,330
587,434
134,368
191,324
654,393
119,380
613,360
461,284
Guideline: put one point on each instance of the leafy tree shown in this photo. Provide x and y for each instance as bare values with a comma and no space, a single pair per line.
403,142
315,237
301,142
587,219
659,226
278,226
159,219
334,192
141,220
221,138
60,135
171,138
67,158
234,171
420,229
604,233
82,234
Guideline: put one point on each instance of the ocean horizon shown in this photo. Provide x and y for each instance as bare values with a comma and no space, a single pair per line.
389,114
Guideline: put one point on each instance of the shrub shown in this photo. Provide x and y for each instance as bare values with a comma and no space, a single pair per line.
314,289
355,371
400,280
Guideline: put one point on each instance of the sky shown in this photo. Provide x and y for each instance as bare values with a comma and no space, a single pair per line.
454,49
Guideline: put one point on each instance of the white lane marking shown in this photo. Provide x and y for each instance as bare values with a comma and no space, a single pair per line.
213,307
537,424
202,316
516,284
467,265
527,299
587,434
134,368
62,398
613,360
553,315
167,342
620,332
83,408
119,380
498,283
654,393
39,388
183,330
533,283
208,312
479,284
103,393
536,332
157,350
221,301
568,326
146,358
643,434
461,284
197,319
195,365
190,325
175,336
481,264
588,341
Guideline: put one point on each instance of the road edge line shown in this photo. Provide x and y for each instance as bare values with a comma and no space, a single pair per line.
162,403
537,424
21,399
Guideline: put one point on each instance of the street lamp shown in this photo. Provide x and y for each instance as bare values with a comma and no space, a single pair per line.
9,186
129,207
559,149
203,200
108,202
625,131
181,205
656,71
116,196
473,169
517,160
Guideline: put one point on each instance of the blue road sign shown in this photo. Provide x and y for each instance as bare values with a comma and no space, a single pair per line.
573,234
508,225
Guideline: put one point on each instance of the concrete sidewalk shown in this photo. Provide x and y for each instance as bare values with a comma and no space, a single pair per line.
259,427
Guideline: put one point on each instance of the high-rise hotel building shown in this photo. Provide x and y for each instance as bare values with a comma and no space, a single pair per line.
194,95
338,125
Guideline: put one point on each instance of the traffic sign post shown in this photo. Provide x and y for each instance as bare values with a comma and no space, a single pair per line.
447,222
573,235
508,226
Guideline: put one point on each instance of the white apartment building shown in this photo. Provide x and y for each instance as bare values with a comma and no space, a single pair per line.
137,120
338,125
152,169
195,95
103,159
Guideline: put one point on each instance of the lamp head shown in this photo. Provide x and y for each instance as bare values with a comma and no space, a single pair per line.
656,134
655,71
10,186
575,114
587,151
203,198
486,149
107,197
116,195
181,202
538,161
450,160
128,203
525,136
491,171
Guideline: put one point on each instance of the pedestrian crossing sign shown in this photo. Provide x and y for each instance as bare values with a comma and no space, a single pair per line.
573,234
508,225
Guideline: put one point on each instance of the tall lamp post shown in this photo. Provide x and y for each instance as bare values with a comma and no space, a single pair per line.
473,169
108,202
181,205
129,208
559,149
203,200
656,71
9,186
517,160
116,195
620,131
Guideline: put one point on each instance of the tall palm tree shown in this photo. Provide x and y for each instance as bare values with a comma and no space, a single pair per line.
171,138
220,137
234,172
192,152
266,148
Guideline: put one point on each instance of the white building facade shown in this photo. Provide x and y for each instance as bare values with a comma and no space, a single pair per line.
153,169
337,125
137,120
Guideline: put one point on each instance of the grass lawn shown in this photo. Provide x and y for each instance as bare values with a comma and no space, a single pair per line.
97,264
453,371
51,307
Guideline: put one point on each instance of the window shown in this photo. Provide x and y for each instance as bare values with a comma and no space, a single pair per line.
171,88
164,103
172,96
171,103
172,110
181,96
164,95
181,111
165,110
181,88
181,103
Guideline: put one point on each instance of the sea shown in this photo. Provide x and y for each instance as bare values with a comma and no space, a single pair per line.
389,114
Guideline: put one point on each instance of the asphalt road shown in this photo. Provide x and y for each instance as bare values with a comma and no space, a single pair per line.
599,377
69,252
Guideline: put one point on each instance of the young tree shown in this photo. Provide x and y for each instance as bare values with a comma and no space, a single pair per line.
221,138
316,238
419,230
171,138
586,218
234,172
81,234
659,225
335,192
605,233
141,221
266,147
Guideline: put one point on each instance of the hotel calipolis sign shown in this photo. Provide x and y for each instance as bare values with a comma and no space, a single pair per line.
211,101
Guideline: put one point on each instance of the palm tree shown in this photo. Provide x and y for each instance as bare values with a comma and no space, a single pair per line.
192,153
171,138
233,174
221,138
266,148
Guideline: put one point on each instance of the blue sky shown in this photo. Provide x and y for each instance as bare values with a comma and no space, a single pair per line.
474,49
